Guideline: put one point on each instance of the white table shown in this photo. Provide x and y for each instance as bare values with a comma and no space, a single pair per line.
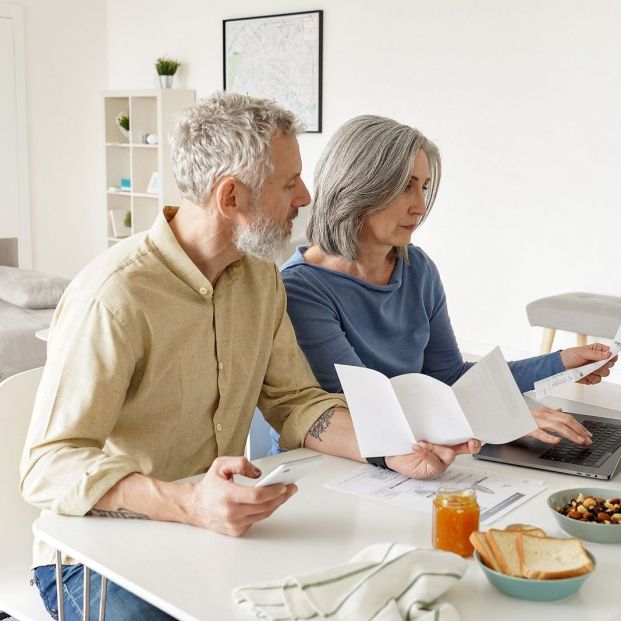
42,334
190,572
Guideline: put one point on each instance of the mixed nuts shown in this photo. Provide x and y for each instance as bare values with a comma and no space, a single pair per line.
593,509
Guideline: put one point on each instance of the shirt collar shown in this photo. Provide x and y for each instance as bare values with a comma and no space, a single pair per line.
162,237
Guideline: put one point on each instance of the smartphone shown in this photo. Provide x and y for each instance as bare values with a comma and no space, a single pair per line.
290,471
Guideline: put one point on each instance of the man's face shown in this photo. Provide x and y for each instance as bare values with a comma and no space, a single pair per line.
282,194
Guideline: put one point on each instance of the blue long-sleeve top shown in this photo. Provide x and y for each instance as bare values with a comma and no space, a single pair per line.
401,327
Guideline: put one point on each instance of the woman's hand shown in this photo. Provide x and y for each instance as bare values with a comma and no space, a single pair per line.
560,423
577,356
429,460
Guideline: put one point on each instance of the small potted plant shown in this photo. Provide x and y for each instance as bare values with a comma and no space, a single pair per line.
122,122
166,69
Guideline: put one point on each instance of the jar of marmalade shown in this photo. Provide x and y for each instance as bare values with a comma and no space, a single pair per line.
455,517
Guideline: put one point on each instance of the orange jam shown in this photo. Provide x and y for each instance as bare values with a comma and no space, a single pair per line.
455,516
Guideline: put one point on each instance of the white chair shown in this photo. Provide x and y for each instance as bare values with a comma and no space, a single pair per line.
17,597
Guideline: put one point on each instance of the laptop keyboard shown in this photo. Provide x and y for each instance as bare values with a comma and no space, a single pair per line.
606,440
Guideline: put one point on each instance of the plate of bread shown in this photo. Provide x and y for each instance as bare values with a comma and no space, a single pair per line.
522,561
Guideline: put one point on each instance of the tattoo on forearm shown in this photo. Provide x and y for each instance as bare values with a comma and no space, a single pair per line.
321,424
122,513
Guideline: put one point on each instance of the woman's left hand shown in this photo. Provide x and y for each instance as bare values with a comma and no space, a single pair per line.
577,356
560,423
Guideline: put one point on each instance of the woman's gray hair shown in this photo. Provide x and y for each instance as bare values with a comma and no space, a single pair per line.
364,168
226,134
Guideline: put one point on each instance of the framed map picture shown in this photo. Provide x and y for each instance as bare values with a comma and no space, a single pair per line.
278,57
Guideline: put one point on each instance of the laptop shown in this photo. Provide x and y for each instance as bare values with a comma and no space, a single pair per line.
599,461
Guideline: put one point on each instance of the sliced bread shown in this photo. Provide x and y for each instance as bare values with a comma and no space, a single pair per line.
479,542
527,529
503,544
549,558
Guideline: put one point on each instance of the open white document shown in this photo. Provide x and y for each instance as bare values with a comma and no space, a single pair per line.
546,386
390,415
496,495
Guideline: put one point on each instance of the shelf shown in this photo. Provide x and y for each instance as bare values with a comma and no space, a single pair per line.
134,145
137,194
150,112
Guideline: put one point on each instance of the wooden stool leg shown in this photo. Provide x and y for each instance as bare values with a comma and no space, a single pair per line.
546,341
582,339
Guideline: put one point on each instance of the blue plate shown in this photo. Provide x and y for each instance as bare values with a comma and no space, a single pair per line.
536,590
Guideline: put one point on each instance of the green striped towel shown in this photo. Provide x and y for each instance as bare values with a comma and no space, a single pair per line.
383,582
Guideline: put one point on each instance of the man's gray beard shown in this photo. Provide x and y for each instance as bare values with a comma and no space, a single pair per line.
262,238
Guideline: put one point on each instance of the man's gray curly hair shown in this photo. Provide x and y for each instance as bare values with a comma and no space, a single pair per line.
226,134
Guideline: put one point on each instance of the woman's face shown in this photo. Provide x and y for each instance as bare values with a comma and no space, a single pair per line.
394,225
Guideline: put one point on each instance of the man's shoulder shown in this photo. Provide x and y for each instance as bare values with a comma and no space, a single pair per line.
108,273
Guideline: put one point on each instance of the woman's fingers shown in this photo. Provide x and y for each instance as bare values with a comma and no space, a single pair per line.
560,423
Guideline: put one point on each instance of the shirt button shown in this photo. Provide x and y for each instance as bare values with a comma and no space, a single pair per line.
203,290
220,365
218,427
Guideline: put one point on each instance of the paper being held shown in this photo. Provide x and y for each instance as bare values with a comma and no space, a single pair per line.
390,415
546,386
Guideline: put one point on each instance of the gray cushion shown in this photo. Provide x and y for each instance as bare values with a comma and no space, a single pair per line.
583,313
30,289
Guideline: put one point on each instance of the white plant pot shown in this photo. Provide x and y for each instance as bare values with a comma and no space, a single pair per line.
165,81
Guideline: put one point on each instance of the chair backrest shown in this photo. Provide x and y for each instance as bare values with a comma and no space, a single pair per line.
17,394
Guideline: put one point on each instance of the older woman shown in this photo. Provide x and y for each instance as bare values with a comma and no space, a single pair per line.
361,294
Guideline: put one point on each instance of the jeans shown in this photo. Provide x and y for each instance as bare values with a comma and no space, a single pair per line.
121,605
275,437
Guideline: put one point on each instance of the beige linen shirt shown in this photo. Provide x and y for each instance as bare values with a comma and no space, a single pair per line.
150,369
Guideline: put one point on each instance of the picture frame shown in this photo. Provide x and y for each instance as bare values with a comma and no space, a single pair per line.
117,223
277,57
153,186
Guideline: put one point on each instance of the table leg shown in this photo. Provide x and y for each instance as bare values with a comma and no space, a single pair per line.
86,597
59,587
102,598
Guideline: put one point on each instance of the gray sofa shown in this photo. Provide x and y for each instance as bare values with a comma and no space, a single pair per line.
27,303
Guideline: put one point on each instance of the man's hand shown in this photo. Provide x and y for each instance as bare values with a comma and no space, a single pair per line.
220,504
560,423
429,460
578,356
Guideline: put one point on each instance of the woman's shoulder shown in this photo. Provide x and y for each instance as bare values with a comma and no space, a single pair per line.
420,260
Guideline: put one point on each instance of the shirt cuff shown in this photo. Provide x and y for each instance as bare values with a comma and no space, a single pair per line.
93,485
557,362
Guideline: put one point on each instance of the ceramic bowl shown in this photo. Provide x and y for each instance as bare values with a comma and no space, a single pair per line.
588,531
535,590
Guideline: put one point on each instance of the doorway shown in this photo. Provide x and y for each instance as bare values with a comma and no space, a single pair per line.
14,202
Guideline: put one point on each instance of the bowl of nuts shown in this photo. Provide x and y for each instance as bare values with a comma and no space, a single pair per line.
589,513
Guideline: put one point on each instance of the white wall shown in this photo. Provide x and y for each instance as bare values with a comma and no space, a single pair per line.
66,70
523,99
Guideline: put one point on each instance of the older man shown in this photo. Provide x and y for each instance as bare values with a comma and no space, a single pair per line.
162,347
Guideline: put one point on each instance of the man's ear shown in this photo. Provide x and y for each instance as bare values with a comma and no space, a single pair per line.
231,197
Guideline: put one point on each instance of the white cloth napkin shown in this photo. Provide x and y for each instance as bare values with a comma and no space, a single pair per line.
383,582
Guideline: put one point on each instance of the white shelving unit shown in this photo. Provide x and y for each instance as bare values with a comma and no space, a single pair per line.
128,157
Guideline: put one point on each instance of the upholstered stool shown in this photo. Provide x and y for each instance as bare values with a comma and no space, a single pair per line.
586,314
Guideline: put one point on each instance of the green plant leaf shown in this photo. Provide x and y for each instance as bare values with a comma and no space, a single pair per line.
166,66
